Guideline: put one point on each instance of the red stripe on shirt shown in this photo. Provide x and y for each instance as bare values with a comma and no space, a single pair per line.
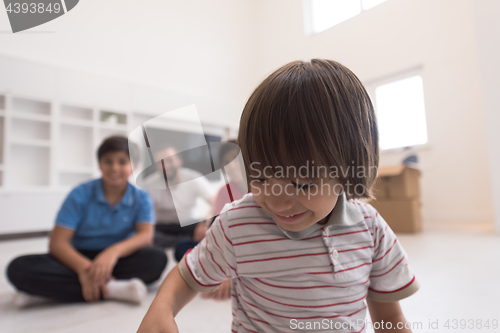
260,241
213,259
222,228
389,250
279,258
393,291
250,223
203,268
243,207
301,318
201,284
351,268
359,248
304,306
347,233
311,287
374,276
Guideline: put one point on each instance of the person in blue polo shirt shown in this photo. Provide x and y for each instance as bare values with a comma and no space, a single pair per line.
100,247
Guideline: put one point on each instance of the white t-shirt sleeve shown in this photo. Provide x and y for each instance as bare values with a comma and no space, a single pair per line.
391,278
212,261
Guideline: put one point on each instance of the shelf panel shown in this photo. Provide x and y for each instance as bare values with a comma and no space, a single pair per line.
75,147
116,127
2,139
31,116
30,142
76,170
77,122
28,166
2,102
30,106
105,133
112,118
76,112
23,129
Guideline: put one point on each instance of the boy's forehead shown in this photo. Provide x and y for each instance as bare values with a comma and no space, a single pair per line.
116,154
306,171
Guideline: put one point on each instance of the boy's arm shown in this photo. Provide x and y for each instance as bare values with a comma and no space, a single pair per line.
60,248
172,296
104,262
382,313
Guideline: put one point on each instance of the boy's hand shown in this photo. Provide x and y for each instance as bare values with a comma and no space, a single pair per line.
90,292
102,267
199,231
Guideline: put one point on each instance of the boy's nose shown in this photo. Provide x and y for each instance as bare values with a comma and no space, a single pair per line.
277,199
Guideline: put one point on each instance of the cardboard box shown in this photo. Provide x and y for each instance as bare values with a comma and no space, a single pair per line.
397,183
397,193
401,215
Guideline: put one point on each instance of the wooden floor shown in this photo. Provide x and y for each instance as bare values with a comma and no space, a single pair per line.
459,272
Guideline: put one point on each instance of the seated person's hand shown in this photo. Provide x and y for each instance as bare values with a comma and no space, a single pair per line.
199,231
90,291
102,267
224,292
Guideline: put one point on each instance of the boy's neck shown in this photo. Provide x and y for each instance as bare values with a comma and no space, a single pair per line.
114,194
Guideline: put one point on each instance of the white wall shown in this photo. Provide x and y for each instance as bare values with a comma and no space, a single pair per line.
27,209
202,49
215,52
392,37
144,56
488,47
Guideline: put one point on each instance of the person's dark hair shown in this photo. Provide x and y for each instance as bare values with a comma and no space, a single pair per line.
225,148
312,111
117,143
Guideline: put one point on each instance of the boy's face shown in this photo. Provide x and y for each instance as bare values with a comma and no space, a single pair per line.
115,168
308,205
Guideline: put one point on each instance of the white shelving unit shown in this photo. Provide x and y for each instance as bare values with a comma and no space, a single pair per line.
2,137
48,145
51,122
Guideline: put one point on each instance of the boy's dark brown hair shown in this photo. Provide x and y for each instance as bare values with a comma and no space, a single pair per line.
225,148
117,143
317,111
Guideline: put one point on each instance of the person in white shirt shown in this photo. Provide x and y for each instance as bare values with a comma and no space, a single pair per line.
168,229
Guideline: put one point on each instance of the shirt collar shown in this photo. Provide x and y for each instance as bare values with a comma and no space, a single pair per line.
343,214
126,200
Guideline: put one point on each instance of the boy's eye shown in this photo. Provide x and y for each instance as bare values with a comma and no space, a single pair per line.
261,180
302,186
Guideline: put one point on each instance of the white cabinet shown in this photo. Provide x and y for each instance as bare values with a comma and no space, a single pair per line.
48,145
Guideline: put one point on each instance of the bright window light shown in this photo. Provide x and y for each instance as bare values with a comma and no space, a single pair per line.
327,13
401,113
369,4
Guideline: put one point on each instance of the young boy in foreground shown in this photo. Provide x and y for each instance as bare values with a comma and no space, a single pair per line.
302,253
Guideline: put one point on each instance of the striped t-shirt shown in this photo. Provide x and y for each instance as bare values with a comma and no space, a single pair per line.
316,279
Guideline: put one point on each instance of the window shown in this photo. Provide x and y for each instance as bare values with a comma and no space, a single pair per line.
401,113
325,14
369,4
